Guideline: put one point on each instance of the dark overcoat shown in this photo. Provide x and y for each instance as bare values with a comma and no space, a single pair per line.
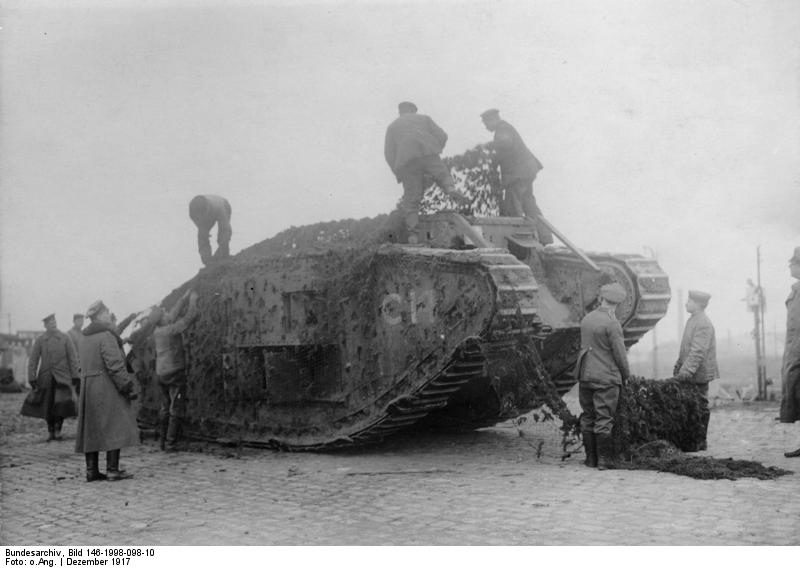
106,416
790,389
53,364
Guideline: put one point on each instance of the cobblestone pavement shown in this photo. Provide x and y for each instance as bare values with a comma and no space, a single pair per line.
491,487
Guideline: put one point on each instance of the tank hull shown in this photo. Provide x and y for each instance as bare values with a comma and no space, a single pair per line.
342,341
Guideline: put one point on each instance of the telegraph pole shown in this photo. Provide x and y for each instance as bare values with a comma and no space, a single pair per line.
755,303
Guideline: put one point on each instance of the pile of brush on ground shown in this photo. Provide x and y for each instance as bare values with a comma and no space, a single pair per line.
658,420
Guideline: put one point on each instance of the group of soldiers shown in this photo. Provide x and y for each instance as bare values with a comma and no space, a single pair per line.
85,372
412,147
602,369
89,364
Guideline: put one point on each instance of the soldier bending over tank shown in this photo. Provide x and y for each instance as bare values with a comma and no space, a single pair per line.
206,211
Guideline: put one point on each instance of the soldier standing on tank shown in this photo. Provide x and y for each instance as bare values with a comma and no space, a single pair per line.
206,211
76,335
697,358
602,370
411,148
790,391
171,367
518,170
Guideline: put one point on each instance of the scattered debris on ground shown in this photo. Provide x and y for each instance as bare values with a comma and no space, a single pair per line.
663,456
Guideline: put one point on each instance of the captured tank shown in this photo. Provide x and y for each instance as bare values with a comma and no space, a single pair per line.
327,336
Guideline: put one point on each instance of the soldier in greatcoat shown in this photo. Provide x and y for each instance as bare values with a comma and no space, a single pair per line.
518,170
697,357
205,211
602,370
412,146
790,388
53,367
106,418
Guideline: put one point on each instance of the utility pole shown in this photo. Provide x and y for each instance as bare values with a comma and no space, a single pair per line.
755,303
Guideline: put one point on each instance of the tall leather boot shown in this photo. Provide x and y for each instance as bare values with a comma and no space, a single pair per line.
172,434
113,472
605,452
93,467
703,443
58,423
51,429
590,446
162,432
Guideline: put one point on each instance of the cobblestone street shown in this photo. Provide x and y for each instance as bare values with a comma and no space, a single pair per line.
491,487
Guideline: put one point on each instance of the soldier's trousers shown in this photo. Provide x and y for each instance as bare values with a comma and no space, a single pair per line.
412,175
599,404
705,411
518,201
173,410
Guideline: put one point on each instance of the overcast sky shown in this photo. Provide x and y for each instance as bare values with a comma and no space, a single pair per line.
667,126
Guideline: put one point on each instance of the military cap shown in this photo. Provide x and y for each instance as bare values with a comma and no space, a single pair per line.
95,308
407,106
613,292
796,256
76,316
699,297
48,318
491,113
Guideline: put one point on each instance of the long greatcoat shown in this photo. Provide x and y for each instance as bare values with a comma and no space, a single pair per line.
106,417
52,364
698,352
790,400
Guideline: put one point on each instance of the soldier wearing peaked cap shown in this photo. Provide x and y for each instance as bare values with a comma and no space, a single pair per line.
790,387
697,358
52,368
602,370
518,170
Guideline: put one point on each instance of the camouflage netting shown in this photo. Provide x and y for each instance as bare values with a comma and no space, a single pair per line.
652,410
475,177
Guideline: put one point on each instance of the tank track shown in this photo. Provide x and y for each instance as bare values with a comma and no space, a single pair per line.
653,298
647,287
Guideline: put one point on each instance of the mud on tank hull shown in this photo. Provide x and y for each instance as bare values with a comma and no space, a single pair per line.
341,345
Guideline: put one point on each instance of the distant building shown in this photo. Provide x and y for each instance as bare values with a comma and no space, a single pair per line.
15,350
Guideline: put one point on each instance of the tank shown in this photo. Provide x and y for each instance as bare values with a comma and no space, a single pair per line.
327,336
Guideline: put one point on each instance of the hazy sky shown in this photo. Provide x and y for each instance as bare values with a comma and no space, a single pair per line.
673,125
